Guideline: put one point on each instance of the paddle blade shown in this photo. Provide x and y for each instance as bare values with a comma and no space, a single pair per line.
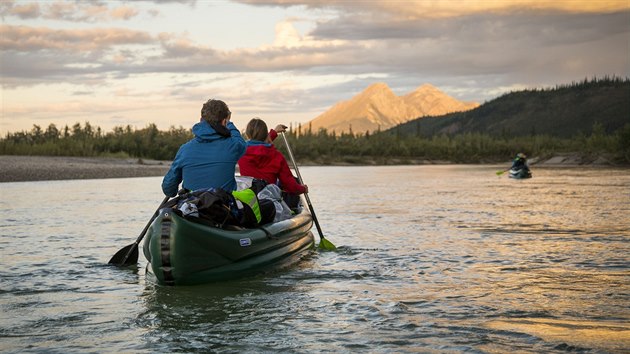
326,245
126,256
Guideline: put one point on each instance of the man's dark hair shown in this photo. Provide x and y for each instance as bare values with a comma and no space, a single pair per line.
214,111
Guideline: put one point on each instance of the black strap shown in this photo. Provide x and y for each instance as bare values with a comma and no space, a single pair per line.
165,251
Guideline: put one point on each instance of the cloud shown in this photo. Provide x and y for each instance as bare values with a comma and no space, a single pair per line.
470,45
124,13
538,44
416,9
286,35
34,55
23,11
331,52
183,2
28,39
79,11
530,47
558,27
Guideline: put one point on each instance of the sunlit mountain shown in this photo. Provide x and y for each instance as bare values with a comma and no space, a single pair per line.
377,107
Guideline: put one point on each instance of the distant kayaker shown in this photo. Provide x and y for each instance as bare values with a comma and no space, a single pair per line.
520,162
209,159
263,161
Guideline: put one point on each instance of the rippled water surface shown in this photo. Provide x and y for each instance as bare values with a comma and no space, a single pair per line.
432,259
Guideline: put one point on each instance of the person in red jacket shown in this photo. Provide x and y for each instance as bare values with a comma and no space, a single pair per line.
263,161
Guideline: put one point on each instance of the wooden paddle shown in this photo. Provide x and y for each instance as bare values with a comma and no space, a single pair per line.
323,242
128,255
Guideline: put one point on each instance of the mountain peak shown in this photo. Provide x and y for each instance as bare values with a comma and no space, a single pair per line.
377,107
426,87
376,89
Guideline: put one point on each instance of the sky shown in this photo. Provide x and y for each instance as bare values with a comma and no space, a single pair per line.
118,63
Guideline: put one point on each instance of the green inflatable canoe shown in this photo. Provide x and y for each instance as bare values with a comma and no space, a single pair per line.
181,252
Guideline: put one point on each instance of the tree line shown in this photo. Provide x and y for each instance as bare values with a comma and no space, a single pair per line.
89,141
322,147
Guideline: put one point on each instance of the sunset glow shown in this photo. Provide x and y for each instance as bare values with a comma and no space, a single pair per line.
116,63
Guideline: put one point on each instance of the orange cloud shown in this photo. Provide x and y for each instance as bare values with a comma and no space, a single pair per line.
412,9
23,38
123,12
25,11
421,8
68,11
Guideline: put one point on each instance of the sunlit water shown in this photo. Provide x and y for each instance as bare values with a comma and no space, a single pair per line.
432,259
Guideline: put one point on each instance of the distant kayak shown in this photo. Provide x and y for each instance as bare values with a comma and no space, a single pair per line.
520,173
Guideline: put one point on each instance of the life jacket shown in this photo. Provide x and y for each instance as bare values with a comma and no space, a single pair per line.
247,201
254,211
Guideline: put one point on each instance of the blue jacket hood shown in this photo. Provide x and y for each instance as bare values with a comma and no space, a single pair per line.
203,131
208,160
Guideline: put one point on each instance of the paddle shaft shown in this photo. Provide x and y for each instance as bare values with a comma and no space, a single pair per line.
146,227
134,245
308,200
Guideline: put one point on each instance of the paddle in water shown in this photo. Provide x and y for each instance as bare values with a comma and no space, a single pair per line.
323,242
128,255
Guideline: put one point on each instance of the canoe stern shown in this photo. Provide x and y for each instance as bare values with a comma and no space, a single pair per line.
181,252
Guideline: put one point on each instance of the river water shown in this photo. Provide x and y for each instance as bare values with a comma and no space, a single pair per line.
431,259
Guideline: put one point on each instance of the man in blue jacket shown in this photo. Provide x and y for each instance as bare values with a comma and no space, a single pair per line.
209,159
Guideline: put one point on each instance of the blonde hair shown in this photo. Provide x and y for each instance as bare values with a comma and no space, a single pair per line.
256,129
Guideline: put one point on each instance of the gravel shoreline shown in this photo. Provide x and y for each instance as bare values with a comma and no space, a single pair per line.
15,168
45,168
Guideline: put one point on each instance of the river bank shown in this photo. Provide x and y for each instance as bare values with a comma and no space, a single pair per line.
15,168
43,168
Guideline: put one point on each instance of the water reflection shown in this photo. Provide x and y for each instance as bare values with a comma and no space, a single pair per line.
213,316
432,259
606,335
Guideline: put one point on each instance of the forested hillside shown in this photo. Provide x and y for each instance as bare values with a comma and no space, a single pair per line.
564,111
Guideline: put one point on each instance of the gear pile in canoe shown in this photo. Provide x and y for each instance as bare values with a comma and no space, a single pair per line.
183,251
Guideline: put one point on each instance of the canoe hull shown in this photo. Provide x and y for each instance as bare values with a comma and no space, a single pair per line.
520,174
181,252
